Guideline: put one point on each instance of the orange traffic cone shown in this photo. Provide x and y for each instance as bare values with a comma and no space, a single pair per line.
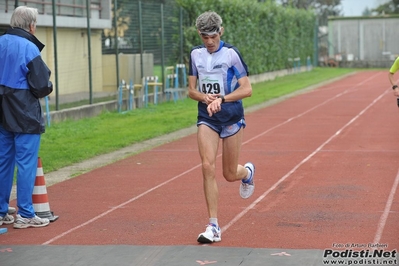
39,196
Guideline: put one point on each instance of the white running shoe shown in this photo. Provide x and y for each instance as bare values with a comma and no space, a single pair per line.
30,222
247,188
211,234
7,219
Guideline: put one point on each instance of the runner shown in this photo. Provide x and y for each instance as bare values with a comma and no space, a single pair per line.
218,80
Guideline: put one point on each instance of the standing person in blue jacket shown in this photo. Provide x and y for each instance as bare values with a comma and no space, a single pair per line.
24,79
218,80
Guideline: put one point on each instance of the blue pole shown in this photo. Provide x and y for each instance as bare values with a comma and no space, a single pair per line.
120,98
176,83
47,111
146,92
184,76
156,91
177,76
167,86
131,91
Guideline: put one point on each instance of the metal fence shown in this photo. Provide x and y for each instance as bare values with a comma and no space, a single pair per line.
147,28
77,46
361,41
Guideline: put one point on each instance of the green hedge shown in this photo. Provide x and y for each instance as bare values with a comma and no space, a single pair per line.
266,34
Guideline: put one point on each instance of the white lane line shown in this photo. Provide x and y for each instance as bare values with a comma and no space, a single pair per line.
259,199
192,169
384,216
119,206
311,109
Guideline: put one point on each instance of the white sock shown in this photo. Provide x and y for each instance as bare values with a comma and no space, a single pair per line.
214,221
249,174
246,179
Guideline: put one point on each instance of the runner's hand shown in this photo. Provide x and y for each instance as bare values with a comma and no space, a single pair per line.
209,98
215,106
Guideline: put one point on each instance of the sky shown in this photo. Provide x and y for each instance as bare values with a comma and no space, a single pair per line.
356,7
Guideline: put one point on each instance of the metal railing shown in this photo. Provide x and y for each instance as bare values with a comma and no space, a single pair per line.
45,7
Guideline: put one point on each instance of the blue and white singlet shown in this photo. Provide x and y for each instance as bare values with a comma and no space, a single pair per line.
218,73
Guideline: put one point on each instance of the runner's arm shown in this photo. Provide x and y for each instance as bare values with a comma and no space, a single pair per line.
194,94
243,91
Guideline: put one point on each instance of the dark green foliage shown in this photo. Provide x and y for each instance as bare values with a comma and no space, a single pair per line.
266,34
390,7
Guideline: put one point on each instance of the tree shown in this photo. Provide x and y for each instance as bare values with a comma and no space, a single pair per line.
390,7
366,12
323,8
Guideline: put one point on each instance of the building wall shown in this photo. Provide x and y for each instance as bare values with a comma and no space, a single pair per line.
129,69
371,40
72,41
73,56
109,73
70,13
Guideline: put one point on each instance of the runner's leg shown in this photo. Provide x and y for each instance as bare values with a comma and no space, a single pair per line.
232,171
208,142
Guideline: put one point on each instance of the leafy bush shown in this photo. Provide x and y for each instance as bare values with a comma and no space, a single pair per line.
266,34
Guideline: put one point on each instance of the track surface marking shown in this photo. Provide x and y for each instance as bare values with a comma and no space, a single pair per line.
327,172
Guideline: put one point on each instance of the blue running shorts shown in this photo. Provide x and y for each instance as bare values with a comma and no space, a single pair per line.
225,131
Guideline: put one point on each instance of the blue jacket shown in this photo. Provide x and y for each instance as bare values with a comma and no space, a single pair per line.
24,79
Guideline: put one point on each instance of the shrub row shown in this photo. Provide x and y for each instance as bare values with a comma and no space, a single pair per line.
267,35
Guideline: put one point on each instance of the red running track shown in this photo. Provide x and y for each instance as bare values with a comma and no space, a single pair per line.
327,166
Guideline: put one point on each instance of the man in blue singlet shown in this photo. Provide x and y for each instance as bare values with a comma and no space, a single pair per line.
218,80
